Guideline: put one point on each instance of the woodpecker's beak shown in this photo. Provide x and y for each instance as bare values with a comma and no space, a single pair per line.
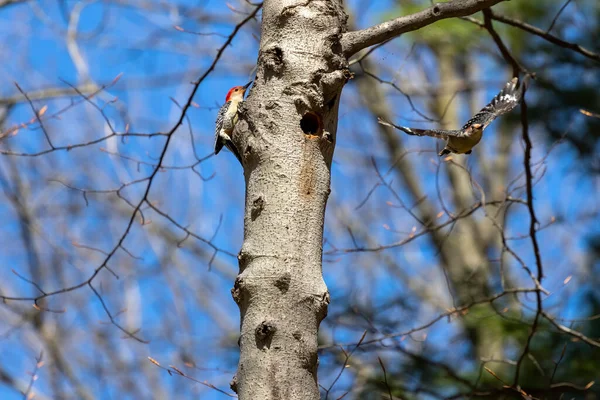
247,85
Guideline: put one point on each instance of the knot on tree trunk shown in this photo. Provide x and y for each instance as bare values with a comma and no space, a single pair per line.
264,334
321,303
257,207
243,260
283,282
238,290
273,61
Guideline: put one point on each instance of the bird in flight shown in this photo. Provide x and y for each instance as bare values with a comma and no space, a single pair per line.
462,141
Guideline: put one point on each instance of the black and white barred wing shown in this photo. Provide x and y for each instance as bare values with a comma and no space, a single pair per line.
508,98
219,125
436,133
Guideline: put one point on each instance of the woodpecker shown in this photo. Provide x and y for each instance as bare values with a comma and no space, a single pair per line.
227,118
462,141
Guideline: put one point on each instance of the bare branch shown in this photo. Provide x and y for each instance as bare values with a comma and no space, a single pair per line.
516,66
34,376
49,93
354,41
532,233
38,115
557,15
550,38
456,311
5,3
171,369
146,192
570,331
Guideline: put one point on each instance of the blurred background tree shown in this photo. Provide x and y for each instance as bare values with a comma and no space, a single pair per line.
424,257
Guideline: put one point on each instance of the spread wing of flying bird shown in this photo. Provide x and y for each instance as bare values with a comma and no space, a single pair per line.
461,141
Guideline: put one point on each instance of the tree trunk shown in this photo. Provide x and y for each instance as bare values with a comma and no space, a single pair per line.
286,135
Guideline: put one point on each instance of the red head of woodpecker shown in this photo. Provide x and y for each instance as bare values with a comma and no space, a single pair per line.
236,93
227,118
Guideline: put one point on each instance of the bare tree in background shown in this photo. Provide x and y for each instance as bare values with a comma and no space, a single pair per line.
287,133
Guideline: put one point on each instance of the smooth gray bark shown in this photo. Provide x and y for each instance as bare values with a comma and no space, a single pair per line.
280,288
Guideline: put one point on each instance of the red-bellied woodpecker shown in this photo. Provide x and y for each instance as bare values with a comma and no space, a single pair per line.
227,118
462,141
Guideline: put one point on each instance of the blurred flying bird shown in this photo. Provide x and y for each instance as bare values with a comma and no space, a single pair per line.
462,141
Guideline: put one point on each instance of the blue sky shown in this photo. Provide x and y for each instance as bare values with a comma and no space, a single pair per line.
157,63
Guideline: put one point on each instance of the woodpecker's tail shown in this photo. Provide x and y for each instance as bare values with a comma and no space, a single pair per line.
218,145
224,140
229,144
